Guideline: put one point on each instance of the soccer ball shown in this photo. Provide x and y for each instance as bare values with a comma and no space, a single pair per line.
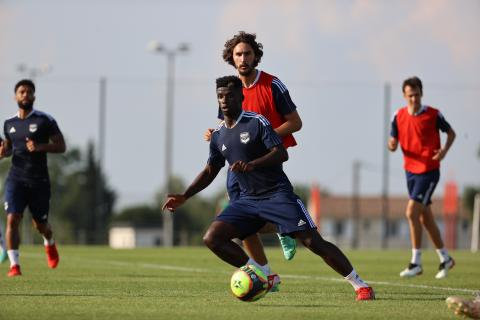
249,283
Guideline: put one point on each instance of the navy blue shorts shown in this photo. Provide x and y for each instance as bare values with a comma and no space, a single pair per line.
19,195
285,209
421,186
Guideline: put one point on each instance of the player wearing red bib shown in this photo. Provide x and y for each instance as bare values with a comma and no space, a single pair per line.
416,128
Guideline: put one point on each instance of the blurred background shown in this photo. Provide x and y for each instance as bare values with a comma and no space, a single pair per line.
124,77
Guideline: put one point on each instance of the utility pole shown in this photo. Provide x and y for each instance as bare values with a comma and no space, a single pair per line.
355,203
99,194
156,47
385,168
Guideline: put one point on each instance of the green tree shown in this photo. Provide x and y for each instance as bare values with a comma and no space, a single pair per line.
83,202
192,219
140,215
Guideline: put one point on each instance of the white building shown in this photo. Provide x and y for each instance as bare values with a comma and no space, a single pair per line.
128,236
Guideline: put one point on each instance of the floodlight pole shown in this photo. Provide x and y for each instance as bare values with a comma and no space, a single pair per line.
385,169
156,47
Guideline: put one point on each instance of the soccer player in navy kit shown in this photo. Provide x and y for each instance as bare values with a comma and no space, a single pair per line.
416,128
255,154
264,94
29,135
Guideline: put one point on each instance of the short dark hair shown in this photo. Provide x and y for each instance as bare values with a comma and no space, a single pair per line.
230,81
413,82
248,38
25,82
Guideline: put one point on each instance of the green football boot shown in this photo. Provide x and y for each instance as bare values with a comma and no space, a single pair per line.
289,246
3,255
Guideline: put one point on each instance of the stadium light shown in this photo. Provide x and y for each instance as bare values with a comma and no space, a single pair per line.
34,72
158,48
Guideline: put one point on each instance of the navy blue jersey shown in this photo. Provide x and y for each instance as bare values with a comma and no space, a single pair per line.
250,138
38,127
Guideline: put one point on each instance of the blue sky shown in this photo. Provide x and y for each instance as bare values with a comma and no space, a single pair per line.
334,56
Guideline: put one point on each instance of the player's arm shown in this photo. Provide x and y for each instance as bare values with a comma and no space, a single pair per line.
203,180
441,153
215,162
285,107
444,126
55,145
5,148
276,155
393,140
293,123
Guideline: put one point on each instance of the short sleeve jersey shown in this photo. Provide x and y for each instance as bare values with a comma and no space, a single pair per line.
419,137
250,138
38,127
269,97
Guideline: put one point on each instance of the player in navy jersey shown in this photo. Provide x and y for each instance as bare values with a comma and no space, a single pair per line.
29,135
267,95
255,154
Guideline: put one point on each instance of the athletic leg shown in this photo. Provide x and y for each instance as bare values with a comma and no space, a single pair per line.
446,262
218,239
330,253
413,213
13,243
335,258
431,226
254,246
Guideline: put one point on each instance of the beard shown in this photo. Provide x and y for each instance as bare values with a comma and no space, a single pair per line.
26,106
246,72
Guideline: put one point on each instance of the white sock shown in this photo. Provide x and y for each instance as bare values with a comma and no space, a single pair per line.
354,279
442,254
265,268
14,257
47,242
416,256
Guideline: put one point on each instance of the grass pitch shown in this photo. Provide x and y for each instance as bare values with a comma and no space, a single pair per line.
191,283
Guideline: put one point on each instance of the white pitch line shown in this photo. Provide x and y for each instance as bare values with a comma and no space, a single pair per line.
287,276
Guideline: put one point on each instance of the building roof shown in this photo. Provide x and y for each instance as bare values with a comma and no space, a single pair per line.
342,207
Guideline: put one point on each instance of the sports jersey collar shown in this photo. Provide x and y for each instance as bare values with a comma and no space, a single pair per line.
256,78
422,109
236,122
28,115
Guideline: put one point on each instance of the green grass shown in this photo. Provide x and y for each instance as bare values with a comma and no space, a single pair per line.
191,283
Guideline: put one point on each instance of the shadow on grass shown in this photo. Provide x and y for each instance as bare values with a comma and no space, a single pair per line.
412,299
297,306
50,295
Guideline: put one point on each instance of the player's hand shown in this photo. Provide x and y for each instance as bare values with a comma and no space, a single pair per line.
392,144
31,145
439,154
173,202
3,150
208,134
241,166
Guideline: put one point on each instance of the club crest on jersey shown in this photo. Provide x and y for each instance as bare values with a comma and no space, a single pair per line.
32,127
244,137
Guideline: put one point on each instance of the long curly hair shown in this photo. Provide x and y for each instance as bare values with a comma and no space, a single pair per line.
248,38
